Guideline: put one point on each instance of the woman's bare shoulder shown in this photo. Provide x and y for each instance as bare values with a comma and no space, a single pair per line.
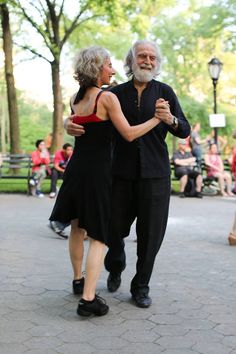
108,97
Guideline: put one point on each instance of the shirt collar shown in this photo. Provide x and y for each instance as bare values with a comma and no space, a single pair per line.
149,84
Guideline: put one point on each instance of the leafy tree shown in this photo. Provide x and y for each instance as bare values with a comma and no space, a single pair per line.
187,45
54,23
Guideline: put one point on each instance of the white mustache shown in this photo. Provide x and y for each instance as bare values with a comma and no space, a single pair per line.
145,66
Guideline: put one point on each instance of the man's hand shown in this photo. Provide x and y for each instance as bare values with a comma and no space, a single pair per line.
72,128
163,111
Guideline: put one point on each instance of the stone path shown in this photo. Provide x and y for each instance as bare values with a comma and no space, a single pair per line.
193,286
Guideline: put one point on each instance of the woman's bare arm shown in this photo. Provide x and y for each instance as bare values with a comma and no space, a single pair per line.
130,133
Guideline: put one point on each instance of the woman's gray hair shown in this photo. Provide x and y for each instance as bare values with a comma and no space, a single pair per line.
88,63
129,60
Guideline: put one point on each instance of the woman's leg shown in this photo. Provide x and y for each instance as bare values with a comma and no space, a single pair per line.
221,182
90,303
234,173
94,263
228,181
76,248
232,235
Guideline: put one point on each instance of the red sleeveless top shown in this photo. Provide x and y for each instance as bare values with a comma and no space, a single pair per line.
91,118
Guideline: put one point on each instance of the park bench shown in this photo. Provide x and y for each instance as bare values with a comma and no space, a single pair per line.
17,167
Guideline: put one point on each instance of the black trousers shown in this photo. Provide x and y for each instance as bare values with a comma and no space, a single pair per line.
54,177
148,201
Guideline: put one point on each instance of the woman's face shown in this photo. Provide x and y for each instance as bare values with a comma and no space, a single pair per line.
213,149
107,72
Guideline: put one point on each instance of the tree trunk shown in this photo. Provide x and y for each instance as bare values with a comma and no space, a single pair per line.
3,114
58,131
11,91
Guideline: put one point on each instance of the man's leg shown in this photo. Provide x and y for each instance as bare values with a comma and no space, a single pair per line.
41,175
54,177
122,217
183,182
153,206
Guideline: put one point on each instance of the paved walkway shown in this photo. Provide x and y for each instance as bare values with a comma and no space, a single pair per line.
193,287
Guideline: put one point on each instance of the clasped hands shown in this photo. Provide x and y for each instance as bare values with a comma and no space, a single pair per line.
162,111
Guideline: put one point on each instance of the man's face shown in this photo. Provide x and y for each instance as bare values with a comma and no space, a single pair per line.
145,63
182,147
69,151
42,146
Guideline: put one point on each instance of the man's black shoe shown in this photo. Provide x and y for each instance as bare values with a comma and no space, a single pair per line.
113,282
142,300
198,195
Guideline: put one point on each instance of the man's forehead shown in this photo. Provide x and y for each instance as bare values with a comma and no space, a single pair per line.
145,48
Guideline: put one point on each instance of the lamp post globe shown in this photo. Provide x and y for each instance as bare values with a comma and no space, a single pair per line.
214,68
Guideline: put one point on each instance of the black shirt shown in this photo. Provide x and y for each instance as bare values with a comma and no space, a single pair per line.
150,151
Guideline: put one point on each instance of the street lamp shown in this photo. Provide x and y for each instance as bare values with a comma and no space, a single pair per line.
214,68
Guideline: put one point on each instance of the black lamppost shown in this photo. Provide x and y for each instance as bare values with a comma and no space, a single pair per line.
214,68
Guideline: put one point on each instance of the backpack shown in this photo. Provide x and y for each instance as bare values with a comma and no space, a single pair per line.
190,189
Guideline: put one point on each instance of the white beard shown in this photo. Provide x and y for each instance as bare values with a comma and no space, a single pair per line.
143,75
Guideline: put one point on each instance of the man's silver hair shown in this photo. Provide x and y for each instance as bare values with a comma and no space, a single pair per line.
129,60
88,63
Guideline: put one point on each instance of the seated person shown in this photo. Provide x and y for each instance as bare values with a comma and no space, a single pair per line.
59,164
232,162
215,168
40,159
184,163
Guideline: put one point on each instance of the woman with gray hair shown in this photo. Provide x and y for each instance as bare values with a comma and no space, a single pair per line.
84,197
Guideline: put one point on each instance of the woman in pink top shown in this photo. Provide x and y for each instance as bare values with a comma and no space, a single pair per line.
215,168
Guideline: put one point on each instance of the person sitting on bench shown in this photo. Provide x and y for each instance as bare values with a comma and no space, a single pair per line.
215,169
184,163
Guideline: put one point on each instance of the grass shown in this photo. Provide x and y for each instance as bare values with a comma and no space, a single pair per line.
20,186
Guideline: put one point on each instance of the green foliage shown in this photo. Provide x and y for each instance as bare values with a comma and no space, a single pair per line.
189,36
187,45
195,112
35,122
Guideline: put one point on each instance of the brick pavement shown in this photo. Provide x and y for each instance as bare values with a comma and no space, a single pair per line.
193,287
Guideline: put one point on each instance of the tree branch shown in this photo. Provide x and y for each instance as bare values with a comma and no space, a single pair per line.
61,9
75,24
33,51
33,23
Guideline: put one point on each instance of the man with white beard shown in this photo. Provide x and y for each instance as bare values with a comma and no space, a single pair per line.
141,169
